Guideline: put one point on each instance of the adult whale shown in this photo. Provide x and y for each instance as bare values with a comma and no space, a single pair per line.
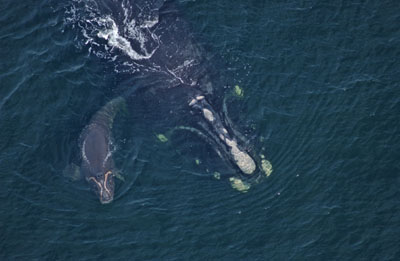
149,41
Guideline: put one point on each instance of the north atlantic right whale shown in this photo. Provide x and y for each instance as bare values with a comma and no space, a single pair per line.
151,45
97,165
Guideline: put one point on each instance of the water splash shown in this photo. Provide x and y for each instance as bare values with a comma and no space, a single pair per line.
108,34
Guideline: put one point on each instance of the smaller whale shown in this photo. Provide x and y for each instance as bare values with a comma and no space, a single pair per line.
97,165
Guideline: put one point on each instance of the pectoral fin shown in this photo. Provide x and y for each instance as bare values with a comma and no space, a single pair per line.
119,176
72,172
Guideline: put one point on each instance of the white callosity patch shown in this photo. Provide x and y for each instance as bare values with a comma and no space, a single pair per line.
192,102
242,159
208,115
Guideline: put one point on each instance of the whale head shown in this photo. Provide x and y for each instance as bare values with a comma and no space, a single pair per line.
229,144
103,185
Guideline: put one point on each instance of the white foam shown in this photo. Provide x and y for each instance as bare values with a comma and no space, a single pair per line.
150,23
115,40
132,37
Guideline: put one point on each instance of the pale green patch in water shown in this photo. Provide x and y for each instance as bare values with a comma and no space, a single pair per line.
72,172
118,175
238,91
162,138
197,161
217,175
266,166
239,184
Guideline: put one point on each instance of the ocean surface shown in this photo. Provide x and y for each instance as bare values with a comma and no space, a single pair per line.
320,84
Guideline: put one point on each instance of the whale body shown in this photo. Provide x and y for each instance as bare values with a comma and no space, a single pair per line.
97,165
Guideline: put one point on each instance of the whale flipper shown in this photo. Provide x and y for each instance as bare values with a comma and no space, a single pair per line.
72,172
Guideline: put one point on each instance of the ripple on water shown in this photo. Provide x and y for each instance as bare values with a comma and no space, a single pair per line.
319,86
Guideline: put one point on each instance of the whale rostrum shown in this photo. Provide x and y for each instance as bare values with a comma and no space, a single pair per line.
217,128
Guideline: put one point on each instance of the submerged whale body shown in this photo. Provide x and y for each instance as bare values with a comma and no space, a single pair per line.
96,151
150,42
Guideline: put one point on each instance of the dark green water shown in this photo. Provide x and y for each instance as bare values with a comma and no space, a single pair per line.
321,95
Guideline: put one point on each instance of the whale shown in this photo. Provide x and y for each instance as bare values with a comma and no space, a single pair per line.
97,165
157,57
